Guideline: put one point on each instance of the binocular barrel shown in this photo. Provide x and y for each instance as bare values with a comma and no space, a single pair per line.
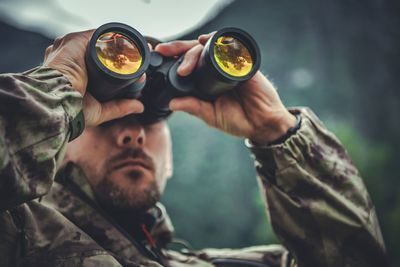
117,55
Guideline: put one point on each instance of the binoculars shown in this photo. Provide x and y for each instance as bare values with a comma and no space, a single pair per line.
118,55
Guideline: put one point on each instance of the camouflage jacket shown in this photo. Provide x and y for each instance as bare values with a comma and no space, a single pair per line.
316,201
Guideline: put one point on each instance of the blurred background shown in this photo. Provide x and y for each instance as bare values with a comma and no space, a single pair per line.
341,58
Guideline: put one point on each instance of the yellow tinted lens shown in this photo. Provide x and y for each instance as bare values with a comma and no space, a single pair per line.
118,53
232,56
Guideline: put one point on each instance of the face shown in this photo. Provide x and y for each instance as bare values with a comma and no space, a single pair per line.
127,164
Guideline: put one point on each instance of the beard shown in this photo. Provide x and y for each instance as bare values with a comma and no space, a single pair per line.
127,199
139,195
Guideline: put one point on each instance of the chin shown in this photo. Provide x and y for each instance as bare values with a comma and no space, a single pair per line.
133,176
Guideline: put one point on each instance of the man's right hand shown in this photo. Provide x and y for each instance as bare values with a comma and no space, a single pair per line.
67,55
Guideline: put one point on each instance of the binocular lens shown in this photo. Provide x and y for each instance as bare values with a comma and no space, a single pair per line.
118,53
232,56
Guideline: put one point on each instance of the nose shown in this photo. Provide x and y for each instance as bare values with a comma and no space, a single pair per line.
131,136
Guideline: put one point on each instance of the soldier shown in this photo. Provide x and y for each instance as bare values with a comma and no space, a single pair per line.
103,209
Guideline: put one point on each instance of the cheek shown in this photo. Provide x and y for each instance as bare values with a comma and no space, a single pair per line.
157,153
93,148
90,153
159,147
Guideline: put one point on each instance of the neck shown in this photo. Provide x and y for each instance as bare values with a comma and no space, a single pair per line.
131,220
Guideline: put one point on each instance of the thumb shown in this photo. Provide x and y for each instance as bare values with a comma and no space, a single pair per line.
119,108
96,112
196,107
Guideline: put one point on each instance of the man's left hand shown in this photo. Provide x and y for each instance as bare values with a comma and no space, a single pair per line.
252,110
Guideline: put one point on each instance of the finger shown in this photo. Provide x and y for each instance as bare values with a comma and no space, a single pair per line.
47,52
142,78
204,37
175,48
190,60
196,107
88,34
57,41
90,31
119,108
84,35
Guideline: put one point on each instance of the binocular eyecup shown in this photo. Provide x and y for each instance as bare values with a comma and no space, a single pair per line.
118,55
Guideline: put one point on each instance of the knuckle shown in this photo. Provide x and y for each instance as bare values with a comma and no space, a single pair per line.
191,51
194,53
182,45
49,48
70,36
197,108
67,37
178,45
57,41
198,48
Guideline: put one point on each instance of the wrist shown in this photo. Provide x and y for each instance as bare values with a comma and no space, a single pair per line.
275,130
75,76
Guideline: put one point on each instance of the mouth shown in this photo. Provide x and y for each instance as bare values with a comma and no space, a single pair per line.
133,163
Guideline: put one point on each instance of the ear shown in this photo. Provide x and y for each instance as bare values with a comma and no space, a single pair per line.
169,165
167,168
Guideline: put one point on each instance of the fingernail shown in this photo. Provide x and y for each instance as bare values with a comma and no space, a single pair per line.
173,105
182,67
158,46
139,107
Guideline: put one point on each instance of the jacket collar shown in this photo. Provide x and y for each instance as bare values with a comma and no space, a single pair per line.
156,219
73,197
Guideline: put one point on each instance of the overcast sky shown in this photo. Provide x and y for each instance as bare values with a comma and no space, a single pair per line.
158,18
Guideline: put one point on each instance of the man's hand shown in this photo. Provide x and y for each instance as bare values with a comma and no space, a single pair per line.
67,55
252,110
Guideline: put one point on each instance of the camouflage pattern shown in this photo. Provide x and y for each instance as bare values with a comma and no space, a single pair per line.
316,201
35,110
72,196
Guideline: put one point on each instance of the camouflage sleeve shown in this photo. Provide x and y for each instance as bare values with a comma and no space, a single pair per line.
316,200
35,110
260,256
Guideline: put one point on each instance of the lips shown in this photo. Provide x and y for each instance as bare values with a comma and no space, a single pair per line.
133,162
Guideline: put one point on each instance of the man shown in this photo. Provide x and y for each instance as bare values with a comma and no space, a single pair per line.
103,210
